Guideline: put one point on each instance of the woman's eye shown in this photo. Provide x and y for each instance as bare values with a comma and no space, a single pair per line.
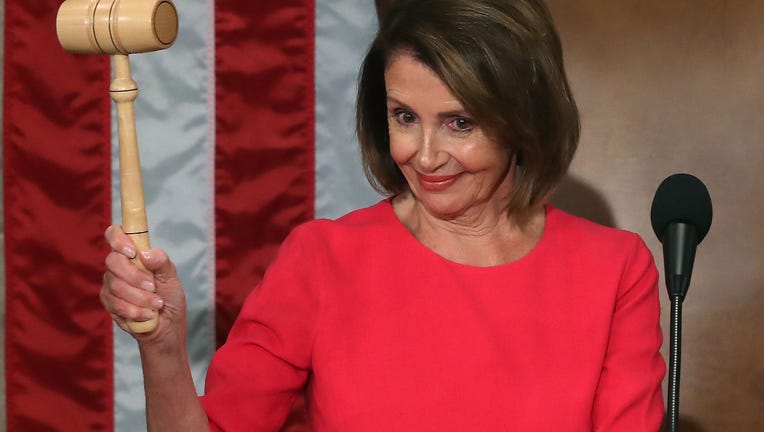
404,117
461,124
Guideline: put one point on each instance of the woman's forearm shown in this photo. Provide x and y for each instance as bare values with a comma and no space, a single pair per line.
171,400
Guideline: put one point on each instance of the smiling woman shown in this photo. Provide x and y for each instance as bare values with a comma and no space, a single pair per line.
462,301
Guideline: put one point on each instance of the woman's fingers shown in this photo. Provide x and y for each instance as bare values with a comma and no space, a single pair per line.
133,292
122,268
122,299
119,241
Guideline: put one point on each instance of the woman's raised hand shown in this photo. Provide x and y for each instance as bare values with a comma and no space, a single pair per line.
130,294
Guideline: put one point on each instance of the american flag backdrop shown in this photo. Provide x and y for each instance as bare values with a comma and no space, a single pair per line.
245,127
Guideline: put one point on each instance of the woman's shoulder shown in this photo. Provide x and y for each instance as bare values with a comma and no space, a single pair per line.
600,250
585,235
571,223
358,225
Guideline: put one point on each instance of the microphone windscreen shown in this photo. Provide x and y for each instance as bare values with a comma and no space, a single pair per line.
681,198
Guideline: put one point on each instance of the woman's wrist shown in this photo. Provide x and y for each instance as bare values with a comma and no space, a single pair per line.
167,344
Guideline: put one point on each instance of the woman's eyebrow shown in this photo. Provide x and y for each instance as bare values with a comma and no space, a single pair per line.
396,101
453,113
461,112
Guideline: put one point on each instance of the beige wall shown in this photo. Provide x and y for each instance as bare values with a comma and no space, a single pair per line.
669,86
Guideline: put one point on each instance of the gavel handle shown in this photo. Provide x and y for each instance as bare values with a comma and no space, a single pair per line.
124,91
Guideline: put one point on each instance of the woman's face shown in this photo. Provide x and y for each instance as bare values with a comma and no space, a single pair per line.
451,166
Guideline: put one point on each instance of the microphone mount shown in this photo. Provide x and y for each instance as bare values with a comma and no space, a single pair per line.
680,240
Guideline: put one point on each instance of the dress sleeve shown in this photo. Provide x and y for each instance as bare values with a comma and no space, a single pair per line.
629,396
255,377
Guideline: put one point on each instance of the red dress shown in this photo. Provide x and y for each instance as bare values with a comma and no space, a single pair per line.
385,335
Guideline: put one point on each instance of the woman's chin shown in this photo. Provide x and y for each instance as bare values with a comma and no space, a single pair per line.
441,205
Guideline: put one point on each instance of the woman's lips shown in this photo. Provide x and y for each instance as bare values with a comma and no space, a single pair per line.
436,183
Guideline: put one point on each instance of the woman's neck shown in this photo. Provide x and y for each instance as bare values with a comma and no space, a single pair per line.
482,237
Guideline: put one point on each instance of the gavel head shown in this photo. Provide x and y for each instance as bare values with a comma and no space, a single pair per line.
116,26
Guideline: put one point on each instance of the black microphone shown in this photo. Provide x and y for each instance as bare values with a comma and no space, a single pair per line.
681,217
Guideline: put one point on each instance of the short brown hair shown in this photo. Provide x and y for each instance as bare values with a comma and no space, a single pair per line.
503,60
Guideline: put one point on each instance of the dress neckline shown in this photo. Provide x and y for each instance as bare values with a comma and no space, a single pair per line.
400,229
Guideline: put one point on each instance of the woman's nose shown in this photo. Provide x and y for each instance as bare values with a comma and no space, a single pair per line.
431,154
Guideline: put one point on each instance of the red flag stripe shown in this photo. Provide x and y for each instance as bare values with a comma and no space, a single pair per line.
56,169
264,162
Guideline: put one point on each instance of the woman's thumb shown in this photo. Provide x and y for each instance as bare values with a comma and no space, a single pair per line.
157,262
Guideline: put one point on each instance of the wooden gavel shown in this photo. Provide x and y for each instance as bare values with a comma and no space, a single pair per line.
120,28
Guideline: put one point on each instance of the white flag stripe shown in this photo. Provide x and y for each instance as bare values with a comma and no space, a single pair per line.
176,138
344,30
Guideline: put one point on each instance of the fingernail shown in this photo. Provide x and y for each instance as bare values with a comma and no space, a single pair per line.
146,254
129,252
158,303
148,286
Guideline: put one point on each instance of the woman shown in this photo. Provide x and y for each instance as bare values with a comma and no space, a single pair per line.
461,302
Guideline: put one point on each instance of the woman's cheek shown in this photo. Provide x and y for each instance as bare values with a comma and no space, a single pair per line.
402,147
